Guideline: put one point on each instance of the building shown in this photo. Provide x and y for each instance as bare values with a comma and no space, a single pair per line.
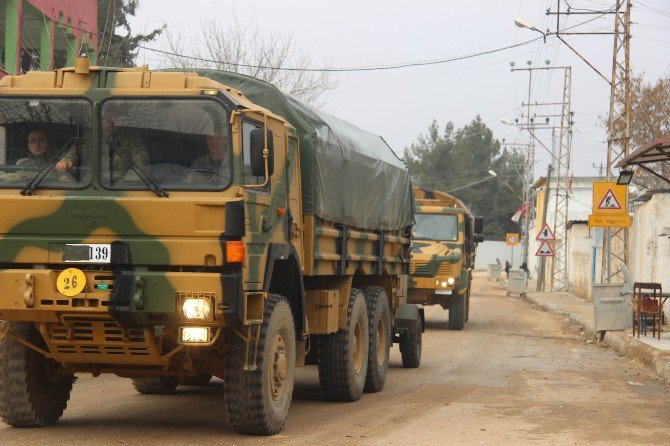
47,34
584,245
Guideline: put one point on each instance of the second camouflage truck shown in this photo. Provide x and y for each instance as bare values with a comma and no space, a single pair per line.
163,227
443,253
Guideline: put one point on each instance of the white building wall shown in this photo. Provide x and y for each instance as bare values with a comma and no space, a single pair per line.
580,260
490,250
650,253
579,209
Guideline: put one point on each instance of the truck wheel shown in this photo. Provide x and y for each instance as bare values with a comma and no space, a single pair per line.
343,356
258,400
199,379
457,312
410,346
379,318
156,385
30,395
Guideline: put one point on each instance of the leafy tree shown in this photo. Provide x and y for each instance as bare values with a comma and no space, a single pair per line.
458,161
117,45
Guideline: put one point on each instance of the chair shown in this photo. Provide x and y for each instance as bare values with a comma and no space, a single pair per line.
647,307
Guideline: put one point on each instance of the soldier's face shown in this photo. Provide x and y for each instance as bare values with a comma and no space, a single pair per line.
216,143
38,144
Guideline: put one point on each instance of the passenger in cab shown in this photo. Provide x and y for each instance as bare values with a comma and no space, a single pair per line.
213,166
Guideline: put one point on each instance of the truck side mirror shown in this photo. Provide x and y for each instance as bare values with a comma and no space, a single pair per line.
479,224
256,146
478,238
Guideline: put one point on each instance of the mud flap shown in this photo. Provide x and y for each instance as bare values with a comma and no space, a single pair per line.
405,319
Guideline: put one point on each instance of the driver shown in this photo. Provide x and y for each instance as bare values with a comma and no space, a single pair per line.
216,160
39,155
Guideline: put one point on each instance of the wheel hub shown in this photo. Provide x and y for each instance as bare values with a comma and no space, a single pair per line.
279,366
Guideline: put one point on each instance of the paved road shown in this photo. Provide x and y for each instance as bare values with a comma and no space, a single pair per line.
515,374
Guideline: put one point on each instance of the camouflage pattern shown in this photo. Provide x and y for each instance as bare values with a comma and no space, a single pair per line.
433,262
175,246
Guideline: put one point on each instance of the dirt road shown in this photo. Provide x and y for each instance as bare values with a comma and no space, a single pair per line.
515,374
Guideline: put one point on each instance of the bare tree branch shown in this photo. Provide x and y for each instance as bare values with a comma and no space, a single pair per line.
242,42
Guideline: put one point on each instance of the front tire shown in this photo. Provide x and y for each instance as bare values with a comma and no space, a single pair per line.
258,400
343,356
156,385
30,394
410,346
379,318
199,379
457,312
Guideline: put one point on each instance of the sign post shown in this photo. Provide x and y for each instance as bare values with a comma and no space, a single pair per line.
512,239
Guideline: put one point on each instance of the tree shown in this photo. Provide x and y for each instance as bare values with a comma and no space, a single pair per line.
453,160
114,48
650,120
241,47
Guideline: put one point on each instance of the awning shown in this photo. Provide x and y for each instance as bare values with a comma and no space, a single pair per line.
655,152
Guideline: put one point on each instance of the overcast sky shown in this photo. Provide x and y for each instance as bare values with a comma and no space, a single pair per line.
400,104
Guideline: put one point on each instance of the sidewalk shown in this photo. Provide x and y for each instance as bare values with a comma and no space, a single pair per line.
654,353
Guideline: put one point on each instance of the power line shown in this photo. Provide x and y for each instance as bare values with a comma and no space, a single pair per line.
348,69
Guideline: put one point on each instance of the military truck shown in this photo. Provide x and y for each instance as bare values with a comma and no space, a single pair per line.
174,230
443,253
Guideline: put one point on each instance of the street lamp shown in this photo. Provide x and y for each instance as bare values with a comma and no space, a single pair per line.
522,24
625,176
491,173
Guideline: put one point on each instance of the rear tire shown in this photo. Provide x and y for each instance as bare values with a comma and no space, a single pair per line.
258,400
156,385
343,356
457,312
379,318
410,346
30,395
199,379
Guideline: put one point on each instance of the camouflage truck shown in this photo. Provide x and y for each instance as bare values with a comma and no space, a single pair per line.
173,230
443,253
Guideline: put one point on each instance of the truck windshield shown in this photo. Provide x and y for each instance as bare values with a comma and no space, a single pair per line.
436,227
42,143
169,144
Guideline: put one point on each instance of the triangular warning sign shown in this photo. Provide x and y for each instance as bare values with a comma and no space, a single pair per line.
609,201
545,250
545,233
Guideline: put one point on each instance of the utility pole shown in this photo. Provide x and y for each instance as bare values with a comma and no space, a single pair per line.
543,260
618,141
559,264
600,168
615,241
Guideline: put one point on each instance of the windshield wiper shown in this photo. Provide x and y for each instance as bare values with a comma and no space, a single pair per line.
44,171
115,147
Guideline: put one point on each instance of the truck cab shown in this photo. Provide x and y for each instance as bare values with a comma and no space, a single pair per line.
445,238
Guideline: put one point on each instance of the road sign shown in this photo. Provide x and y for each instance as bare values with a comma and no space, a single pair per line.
610,221
512,239
610,198
545,250
545,233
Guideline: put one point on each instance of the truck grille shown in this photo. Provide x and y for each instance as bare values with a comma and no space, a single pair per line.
430,268
100,340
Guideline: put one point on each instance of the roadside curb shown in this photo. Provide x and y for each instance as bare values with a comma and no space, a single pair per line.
656,360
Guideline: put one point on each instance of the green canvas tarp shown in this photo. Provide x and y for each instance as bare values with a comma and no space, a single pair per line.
349,175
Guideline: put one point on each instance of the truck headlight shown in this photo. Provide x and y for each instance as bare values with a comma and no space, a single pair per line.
444,284
197,308
451,281
194,335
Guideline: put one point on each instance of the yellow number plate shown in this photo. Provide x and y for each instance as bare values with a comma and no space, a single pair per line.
71,282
